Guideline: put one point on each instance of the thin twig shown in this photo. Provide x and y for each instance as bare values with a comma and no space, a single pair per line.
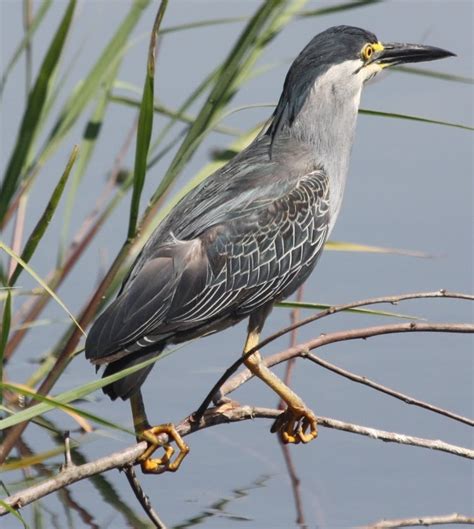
384,389
27,20
422,520
290,466
295,484
212,417
65,495
18,230
68,350
67,449
31,309
224,385
393,300
143,499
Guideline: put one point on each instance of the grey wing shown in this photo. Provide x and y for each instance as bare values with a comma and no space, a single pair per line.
260,253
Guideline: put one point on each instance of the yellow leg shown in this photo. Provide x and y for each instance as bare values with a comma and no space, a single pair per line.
150,434
293,424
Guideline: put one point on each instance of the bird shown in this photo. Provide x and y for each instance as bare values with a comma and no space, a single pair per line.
249,235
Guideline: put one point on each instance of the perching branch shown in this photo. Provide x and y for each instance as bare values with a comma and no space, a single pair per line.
442,293
393,300
422,520
226,385
212,417
228,414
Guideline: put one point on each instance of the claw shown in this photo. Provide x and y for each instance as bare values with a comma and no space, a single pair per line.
164,463
293,425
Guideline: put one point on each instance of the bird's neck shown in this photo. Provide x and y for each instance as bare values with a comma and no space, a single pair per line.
326,123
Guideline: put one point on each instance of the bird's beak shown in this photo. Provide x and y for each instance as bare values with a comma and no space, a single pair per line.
395,53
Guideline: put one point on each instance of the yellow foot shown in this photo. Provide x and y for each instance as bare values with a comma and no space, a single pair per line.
162,464
293,425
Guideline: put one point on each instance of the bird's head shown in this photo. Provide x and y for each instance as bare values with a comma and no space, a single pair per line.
351,50
340,60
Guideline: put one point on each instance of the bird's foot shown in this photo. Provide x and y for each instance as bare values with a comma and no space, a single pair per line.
296,425
165,463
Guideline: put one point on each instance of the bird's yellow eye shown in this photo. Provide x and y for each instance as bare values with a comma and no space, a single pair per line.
367,52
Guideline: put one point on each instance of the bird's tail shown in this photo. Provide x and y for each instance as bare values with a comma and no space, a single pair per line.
130,384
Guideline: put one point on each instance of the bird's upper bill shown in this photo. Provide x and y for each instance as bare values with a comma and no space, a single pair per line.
391,54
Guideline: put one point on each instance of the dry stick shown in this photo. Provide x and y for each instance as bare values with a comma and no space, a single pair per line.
222,386
422,520
22,189
212,417
68,351
142,497
295,480
18,230
394,300
295,483
85,318
384,389
66,496
339,336
33,307
137,489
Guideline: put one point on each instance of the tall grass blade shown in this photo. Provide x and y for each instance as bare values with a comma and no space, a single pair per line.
42,10
340,246
37,278
263,26
6,322
33,111
382,114
87,146
329,10
145,123
64,398
193,96
71,395
433,73
108,60
45,218
110,495
202,24
29,461
15,513
170,113
55,403
322,306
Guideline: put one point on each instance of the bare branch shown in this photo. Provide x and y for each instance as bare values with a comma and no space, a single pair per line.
393,300
393,437
388,391
143,499
422,520
290,466
212,417
301,350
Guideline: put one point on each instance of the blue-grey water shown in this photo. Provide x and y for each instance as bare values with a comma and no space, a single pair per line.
410,186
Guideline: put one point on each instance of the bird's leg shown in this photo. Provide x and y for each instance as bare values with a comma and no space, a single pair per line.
150,434
297,423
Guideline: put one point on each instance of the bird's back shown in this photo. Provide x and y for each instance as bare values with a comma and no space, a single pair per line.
248,235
